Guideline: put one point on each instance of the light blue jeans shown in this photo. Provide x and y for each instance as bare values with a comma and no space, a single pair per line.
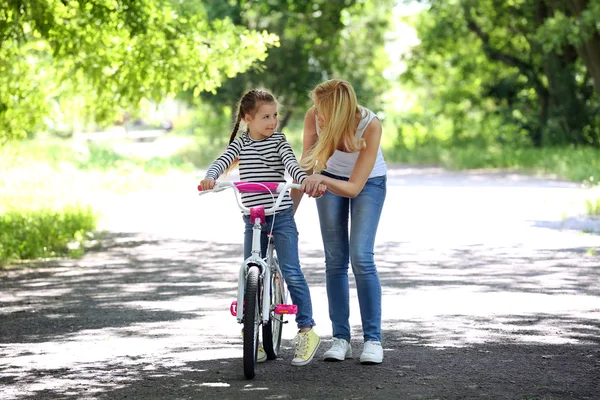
363,212
285,237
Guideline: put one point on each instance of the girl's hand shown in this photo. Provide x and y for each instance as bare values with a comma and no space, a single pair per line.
313,185
207,183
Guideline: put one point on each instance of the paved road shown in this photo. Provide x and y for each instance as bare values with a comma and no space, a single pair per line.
490,289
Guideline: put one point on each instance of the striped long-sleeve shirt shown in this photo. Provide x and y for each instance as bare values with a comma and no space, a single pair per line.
263,160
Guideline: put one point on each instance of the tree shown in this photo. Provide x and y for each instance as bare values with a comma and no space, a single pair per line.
106,55
319,39
501,71
574,23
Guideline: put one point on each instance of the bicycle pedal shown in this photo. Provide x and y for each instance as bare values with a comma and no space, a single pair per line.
286,309
233,308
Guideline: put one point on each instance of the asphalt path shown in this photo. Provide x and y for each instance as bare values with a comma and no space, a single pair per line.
490,290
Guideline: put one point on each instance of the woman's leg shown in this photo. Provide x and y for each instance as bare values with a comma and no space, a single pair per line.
333,217
285,236
364,216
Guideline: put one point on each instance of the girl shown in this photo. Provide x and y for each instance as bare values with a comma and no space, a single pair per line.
341,142
265,155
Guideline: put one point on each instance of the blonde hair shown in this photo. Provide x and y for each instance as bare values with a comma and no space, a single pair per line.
335,102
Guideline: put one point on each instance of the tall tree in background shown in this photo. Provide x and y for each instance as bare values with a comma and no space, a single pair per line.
100,56
516,70
319,39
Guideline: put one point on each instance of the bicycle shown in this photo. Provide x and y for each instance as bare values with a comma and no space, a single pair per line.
261,286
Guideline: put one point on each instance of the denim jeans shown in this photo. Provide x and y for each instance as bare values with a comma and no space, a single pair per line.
285,237
362,212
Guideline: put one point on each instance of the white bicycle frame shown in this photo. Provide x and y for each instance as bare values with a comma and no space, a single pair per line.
255,259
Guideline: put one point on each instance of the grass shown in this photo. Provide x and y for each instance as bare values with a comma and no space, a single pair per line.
47,187
45,233
573,164
592,207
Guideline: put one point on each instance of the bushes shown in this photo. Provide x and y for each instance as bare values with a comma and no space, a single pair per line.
44,233
571,163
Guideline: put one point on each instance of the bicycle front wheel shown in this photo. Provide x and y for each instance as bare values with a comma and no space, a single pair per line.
272,330
251,322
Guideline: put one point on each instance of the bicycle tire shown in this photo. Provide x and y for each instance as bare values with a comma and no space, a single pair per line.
273,329
251,322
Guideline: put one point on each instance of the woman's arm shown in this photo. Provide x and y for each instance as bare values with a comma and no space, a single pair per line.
310,133
308,141
361,171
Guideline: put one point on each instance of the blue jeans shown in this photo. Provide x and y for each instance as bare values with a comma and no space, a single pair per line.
285,237
363,211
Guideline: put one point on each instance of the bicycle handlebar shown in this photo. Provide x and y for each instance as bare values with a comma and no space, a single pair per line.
254,187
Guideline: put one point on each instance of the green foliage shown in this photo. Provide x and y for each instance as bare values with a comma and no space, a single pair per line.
80,58
592,207
574,164
43,184
319,39
568,27
45,233
202,152
506,73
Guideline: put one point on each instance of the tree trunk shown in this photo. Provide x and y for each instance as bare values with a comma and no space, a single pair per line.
528,69
283,123
589,50
565,108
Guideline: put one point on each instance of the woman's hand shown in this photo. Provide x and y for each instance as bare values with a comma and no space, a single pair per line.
313,185
207,183
322,188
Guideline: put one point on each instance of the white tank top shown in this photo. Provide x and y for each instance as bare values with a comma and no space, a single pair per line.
341,163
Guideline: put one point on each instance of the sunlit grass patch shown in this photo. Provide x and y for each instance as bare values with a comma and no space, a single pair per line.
52,191
45,233
592,207
574,164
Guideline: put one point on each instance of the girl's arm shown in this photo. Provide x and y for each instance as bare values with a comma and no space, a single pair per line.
291,165
225,160
361,171
289,161
308,141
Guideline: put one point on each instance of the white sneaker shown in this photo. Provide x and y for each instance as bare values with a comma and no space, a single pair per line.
339,351
372,353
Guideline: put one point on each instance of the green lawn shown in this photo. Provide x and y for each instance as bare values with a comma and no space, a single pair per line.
46,185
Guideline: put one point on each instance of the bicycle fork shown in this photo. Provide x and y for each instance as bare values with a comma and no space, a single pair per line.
265,278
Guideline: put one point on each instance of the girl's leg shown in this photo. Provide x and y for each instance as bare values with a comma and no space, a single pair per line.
365,212
285,236
333,217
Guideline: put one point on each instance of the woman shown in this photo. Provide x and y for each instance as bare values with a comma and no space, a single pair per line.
342,151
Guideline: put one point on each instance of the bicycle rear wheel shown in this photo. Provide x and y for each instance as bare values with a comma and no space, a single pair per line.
272,330
251,322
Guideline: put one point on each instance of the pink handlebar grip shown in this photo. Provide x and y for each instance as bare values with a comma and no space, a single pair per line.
257,187
286,309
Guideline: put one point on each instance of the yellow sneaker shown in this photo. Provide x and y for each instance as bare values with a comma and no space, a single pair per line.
261,357
307,344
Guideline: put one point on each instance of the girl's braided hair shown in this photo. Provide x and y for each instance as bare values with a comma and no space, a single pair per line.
249,104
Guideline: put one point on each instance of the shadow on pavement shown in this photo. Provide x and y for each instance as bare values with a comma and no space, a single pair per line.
146,318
